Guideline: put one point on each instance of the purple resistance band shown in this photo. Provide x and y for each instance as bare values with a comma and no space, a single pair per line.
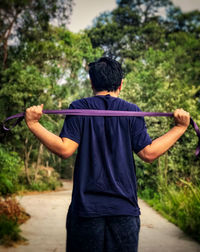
90,112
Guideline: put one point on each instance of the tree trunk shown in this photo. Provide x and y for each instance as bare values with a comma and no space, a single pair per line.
166,168
40,152
5,37
27,152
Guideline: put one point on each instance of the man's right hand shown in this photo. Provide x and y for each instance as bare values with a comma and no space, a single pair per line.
182,118
33,114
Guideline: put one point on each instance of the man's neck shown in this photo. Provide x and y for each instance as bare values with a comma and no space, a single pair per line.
112,93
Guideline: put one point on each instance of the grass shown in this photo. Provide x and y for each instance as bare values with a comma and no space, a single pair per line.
9,231
11,216
180,205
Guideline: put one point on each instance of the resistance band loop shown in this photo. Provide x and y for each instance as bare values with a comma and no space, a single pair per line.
90,112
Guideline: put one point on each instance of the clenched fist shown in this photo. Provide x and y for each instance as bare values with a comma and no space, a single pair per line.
182,118
33,114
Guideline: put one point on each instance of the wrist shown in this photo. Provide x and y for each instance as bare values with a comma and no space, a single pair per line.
32,124
181,127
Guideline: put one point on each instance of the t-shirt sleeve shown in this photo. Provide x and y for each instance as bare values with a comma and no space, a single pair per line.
140,137
72,128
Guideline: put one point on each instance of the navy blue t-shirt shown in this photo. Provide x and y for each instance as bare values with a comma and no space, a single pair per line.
104,175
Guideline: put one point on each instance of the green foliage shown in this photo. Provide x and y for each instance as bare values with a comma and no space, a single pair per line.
22,85
9,231
181,205
163,80
43,181
51,69
18,20
178,21
133,27
67,167
11,216
10,168
158,83
49,65
130,29
48,184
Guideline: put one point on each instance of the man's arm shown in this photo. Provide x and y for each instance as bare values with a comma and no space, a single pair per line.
63,147
160,145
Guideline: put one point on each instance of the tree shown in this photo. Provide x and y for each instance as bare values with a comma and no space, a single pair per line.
130,29
159,82
49,70
187,22
11,166
145,9
135,26
17,18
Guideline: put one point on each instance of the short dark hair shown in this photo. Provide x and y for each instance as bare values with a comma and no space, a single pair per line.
105,74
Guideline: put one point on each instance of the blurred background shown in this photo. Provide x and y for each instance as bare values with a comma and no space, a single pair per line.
45,48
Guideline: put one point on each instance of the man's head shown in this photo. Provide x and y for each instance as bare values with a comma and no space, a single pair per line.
105,74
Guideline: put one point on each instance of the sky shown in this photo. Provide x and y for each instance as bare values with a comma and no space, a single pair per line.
85,11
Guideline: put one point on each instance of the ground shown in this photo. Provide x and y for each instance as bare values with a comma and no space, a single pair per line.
45,230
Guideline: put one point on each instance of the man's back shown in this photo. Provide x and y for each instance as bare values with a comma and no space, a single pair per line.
104,175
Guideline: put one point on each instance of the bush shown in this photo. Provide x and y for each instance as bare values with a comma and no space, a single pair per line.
11,216
180,205
10,167
12,209
38,186
45,182
9,231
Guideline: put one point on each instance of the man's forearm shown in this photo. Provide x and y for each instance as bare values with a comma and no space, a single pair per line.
63,147
53,142
160,145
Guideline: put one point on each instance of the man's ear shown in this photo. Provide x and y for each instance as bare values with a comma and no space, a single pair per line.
120,87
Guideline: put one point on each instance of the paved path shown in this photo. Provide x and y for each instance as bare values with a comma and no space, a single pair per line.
46,228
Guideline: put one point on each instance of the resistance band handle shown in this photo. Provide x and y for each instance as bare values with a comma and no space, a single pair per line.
90,112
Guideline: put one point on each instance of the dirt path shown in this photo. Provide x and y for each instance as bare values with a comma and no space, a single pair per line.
45,230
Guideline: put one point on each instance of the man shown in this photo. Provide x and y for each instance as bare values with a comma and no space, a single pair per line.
104,213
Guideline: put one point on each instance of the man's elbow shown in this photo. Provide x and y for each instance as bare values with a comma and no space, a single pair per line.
149,159
68,148
147,155
65,154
